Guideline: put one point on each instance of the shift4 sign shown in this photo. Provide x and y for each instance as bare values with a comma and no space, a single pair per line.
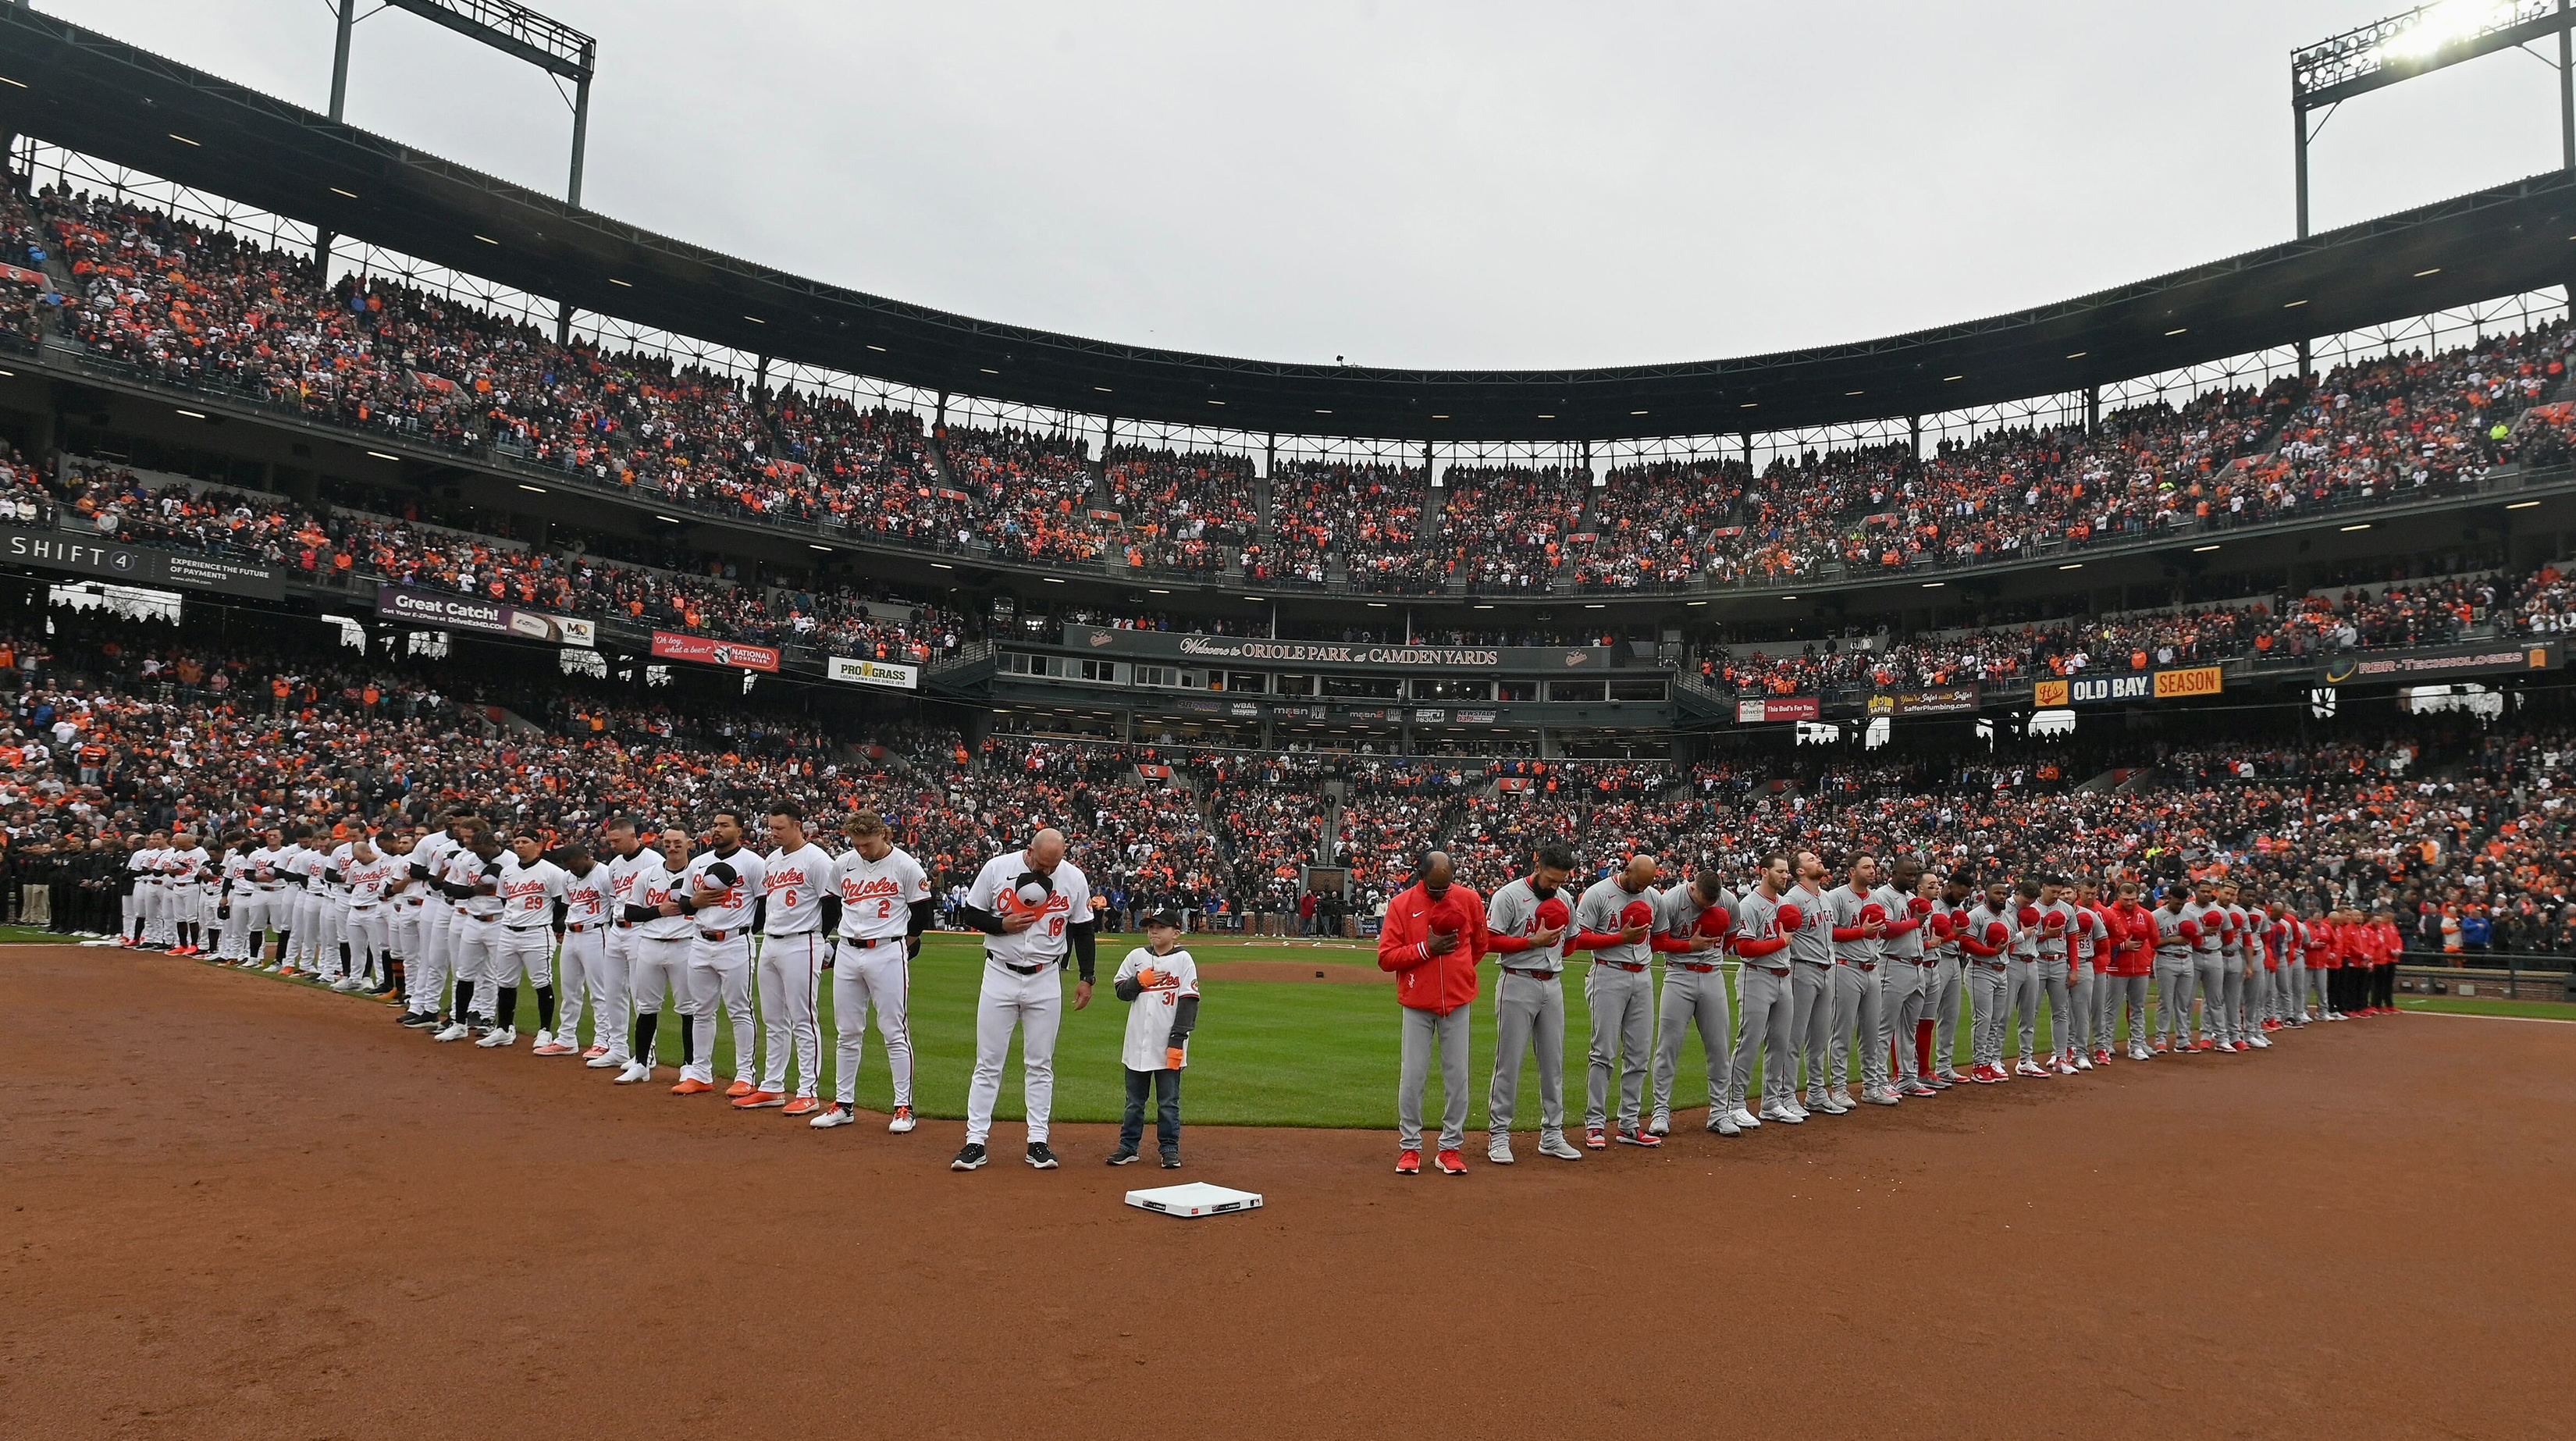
137,565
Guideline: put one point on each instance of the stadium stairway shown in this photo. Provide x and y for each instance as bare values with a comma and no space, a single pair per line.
1695,700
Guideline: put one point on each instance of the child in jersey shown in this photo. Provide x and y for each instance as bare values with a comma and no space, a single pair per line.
1160,984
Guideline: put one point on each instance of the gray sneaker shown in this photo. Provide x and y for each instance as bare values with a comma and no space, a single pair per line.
1662,1124
1555,1144
1499,1150
1723,1123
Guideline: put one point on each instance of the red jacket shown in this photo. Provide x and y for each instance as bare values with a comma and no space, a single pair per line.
1425,982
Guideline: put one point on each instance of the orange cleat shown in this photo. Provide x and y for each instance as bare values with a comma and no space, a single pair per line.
759,1100
801,1106
740,1089
692,1086
594,1053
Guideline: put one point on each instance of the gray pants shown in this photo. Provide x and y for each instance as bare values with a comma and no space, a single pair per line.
2318,989
2026,988
2175,981
2239,1013
2294,991
2087,989
1900,1012
1989,993
1860,1008
1770,1020
1941,1000
2128,994
1623,1020
1528,1012
2108,992
1423,1030
1692,999
2056,985
1813,985
2210,973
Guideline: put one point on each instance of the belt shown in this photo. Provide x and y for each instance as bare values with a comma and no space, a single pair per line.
267,885
1989,965
362,905
788,935
1700,968
469,915
720,935
1525,971
577,927
1021,970
523,930
1767,970
625,925
870,943
1620,965
1862,965
1926,962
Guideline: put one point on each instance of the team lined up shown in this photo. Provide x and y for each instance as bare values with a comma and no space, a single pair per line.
1868,965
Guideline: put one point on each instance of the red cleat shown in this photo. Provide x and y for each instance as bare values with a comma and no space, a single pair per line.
1639,1136
692,1086
2204,1044
758,1100
2102,1057
740,1089
2160,1045
1452,1164
1594,1140
1408,1163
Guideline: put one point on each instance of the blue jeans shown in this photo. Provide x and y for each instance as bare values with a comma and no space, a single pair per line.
1166,1086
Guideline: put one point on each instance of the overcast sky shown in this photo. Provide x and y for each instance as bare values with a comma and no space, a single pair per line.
1478,184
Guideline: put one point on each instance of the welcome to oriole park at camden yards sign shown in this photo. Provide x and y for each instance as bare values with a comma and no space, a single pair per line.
2178,683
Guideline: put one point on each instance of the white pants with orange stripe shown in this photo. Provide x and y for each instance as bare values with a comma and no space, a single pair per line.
790,968
1033,1005
719,981
875,977
580,974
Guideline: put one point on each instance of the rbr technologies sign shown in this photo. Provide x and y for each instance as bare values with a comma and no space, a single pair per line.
2450,660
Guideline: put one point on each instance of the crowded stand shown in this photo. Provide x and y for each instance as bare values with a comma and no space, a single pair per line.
1506,527
1187,511
1035,490
1656,525
1365,511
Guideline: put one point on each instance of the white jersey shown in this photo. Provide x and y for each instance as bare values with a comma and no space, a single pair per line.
1068,903
621,872
309,865
402,888
796,882
877,897
187,867
146,865
368,880
585,897
529,892
734,911
429,857
266,865
655,885
343,856
1150,1016
468,869
238,869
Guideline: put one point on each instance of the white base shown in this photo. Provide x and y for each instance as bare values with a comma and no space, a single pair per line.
1196,1198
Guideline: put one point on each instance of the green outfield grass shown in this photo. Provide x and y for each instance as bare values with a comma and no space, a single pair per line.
31,936
2472,1006
1296,1052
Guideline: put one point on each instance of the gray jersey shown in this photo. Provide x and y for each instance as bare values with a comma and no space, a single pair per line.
1899,945
2211,921
1598,912
1812,942
2025,945
2171,945
1843,907
2054,947
1678,913
1513,911
1980,925
2241,927
1757,918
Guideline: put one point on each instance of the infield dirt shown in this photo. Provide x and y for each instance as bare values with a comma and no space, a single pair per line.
244,1209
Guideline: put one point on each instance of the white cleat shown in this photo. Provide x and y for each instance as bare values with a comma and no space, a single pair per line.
1880,1096
1662,1124
1744,1119
1784,1115
1554,1144
500,1036
544,1038
613,1061
834,1115
1796,1111
1840,1098
349,983
902,1120
455,1031
635,1071
1498,1151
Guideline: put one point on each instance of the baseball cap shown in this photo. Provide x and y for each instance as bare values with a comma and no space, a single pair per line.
1166,919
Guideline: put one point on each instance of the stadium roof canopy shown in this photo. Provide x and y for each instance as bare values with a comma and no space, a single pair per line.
105,98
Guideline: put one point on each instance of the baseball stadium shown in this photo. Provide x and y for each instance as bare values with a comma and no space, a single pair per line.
595,831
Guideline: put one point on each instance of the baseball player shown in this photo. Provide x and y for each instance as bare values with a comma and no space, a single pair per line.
1811,961
403,909
723,903
2023,976
628,857
531,890
1905,971
2246,990
2177,936
885,906
303,952
2132,931
368,877
143,920
578,961
1856,922
1034,908
1614,921
1936,1036
2056,927
473,889
185,865
1433,935
1526,921
1765,919
433,954
2086,957
1693,921
659,946
232,899
2209,965
802,904
2289,942
336,962
1160,983
1987,936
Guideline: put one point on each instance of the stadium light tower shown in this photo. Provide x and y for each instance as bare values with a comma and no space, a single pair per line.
2426,38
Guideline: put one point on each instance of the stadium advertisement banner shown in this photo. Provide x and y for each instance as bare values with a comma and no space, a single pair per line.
2441,661
483,617
1778,708
1175,645
134,565
704,651
890,674
1948,700
2132,685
